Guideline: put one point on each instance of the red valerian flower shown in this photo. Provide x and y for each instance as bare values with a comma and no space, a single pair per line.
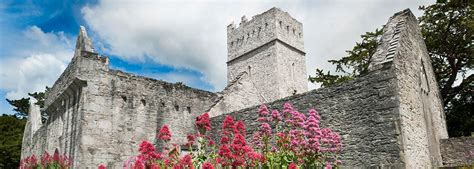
228,124
257,139
147,151
32,160
224,151
328,165
138,164
276,116
211,142
191,138
154,166
240,128
64,161
265,129
178,166
224,139
186,161
56,156
293,166
46,159
238,143
263,111
203,122
101,166
207,165
287,108
256,157
165,133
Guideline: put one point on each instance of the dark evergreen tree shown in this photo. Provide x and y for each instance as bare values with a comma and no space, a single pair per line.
11,135
447,28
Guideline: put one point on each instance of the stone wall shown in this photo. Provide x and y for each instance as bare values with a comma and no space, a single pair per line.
457,151
421,112
98,115
391,116
124,109
63,102
363,111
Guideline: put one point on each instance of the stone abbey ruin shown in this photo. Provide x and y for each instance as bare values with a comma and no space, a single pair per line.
391,117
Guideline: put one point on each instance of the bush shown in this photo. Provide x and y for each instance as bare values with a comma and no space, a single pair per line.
294,141
56,161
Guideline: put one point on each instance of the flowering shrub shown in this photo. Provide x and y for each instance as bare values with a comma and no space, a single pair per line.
46,161
287,139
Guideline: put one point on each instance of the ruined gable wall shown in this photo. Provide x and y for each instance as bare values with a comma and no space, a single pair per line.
63,104
421,112
124,109
363,111
239,93
259,65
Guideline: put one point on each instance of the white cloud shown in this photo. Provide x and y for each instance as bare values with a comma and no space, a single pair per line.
35,63
191,34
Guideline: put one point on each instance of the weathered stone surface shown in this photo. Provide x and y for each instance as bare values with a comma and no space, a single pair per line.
392,117
269,51
421,113
457,151
99,115
363,111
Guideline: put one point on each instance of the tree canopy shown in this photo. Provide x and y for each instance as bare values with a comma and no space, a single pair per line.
447,28
11,132
22,106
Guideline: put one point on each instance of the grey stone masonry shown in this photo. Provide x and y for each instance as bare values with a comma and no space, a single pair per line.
363,111
390,117
268,50
457,151
98,115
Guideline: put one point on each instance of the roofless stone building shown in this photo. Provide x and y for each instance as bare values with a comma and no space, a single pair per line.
390,117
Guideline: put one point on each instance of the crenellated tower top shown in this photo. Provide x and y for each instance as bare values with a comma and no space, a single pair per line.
271,25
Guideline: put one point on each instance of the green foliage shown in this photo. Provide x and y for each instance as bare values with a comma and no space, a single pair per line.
354,64
11,134
447,28
22,106
39,96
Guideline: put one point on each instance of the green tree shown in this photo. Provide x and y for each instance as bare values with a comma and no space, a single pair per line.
447,28
11,133
356,63
22,106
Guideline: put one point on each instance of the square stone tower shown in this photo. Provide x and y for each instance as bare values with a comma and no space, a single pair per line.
269,48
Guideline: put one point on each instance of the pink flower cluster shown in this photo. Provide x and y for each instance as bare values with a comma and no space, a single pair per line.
238,152
300,135
289,138
203,123
164,133
46,160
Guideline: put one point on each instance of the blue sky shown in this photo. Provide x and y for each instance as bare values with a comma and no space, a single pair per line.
176,41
